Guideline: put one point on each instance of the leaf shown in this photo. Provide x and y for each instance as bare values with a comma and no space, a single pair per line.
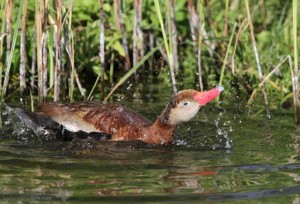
112,38
106,7
180,16
119,48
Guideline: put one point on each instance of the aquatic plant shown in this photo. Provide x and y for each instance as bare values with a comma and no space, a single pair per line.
64,48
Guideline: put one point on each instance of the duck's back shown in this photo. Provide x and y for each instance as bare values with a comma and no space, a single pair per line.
93,117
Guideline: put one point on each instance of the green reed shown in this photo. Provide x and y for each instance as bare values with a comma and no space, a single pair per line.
167,43
11,54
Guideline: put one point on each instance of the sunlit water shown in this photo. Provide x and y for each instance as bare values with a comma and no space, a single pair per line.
222,155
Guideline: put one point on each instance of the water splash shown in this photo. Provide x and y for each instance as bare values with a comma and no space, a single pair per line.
14,127
223,130
181,142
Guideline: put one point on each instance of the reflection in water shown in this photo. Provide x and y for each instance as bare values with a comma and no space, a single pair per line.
296,146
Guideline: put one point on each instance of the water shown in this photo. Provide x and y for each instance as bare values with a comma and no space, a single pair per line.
223,155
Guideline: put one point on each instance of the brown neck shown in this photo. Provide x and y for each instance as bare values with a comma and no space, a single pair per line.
158,133
164,118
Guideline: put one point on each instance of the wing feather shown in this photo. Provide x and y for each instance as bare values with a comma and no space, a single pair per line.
91,116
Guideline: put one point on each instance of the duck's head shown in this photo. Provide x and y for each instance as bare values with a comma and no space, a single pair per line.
185,105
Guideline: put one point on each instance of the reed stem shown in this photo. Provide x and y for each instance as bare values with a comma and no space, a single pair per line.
121,26
166,43
58,54
69,36
101,45
192,17
137,49
8,16
111,69
3,34
79,85
242,28
226,55
260,75
39,16
200,38
11,51
173,36
295,78
33,62
23,50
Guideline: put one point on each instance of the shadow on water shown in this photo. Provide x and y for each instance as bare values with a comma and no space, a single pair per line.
221,155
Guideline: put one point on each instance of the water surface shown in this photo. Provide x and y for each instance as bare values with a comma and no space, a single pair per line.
222,155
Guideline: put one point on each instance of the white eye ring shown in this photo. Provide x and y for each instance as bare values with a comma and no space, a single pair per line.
186,103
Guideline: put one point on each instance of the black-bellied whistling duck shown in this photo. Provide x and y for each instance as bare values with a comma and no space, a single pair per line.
126,125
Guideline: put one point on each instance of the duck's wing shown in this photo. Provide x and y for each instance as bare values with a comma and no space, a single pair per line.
43,125
93,117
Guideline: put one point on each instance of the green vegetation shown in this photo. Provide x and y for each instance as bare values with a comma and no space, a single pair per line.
250,47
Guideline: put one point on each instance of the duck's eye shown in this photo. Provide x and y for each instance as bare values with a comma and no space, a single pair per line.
186,104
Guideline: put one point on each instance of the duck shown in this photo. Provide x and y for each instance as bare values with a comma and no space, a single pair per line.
124,124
